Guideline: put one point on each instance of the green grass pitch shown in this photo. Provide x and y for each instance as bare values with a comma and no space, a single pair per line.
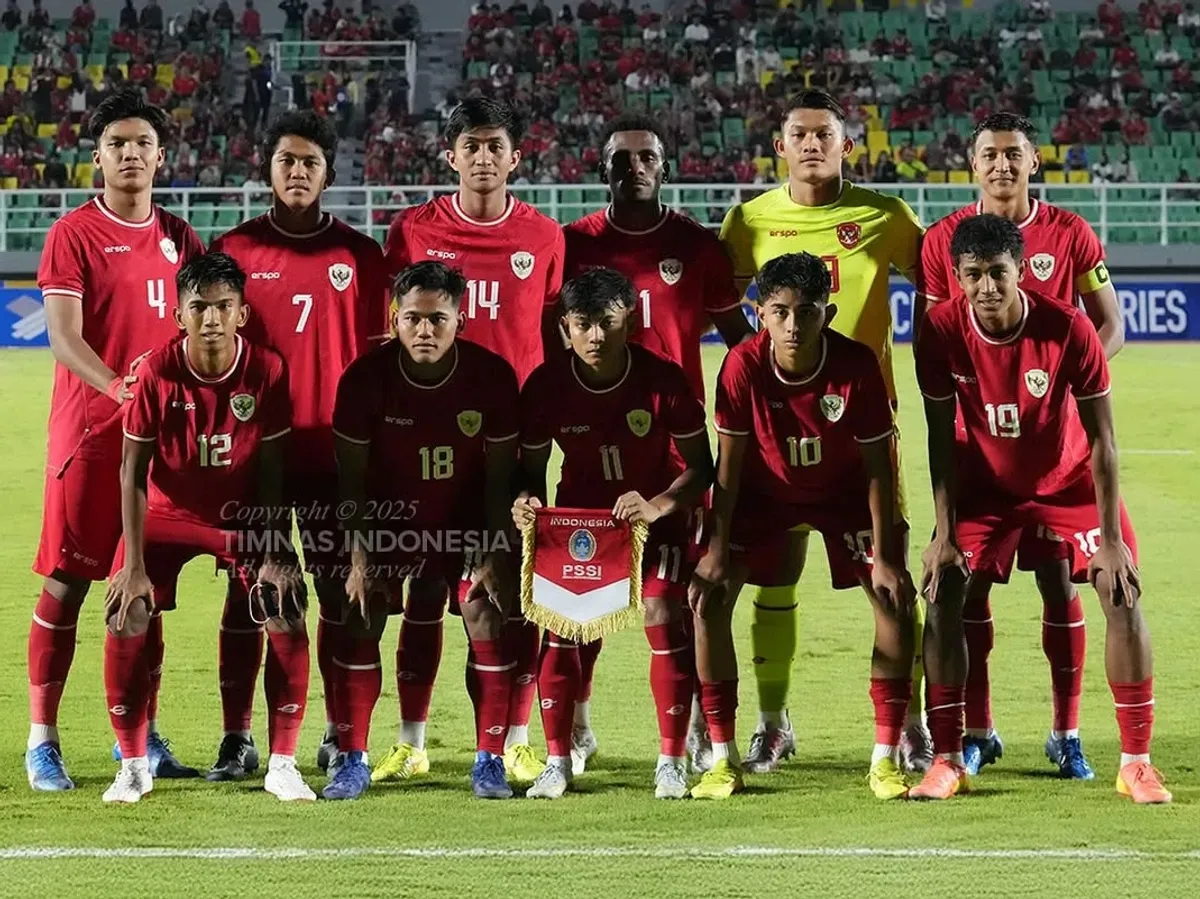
813,829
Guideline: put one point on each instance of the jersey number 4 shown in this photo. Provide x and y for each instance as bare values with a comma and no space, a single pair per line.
156,296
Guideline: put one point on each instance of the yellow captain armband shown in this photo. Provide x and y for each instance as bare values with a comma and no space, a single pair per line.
1090,282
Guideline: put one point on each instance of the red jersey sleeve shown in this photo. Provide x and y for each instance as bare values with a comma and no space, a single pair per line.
536,431
353,411
1084,365
277,401
933,363
870,409
395,247
61,268
934,274
502,424
720,293
682,412
734,414
554,272
142,415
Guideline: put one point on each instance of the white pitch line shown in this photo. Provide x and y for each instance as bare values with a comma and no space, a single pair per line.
1158,452
49,853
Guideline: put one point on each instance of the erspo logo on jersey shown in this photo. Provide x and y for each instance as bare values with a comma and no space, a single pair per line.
264,276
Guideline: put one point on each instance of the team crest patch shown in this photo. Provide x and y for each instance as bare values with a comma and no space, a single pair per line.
340,275
469,422
522,264
168,249
670,270
849,234
582,545
1042,265
242,406
832,406
639,422
1037,381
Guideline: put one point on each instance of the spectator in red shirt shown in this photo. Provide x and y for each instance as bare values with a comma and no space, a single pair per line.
1085,57
744,170
84,15
901,45
1063,131
141,72
251,21
185,84
1135,130
588,12
1124,56
570,170
1181,77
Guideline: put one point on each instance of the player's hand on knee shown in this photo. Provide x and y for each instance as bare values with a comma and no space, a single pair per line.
128,587
707,580
496,581
633,507
523,510
1112,569
279,594
362,591
892,585
941,556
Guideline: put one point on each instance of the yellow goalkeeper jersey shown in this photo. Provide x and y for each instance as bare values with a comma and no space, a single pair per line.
860,236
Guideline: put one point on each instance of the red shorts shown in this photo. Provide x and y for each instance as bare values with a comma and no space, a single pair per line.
759,537
1039,547
668,558
171,544
991,528
81,518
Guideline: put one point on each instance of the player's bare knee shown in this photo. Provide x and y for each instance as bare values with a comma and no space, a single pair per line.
481,619
1054,583
136,623
977,592
658,611
287,625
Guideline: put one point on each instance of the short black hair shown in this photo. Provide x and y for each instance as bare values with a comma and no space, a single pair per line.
305,123
1006,121
814,98
207,271
595,290
128,104
802,272
483,112
631,121
433,276
986,237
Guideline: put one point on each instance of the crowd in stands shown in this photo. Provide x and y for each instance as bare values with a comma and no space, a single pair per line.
1103,87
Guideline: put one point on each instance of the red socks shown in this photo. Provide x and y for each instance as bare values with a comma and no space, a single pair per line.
558,686
719,701
155,650
890,696
286,683
329,637
588,653
1064,640
945,715
51,651
981,637
418,655
240,655
521,645
489,683
1135,715
672,673
127,687
358,681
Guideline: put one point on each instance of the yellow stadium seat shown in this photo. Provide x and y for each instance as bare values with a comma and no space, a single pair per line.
937,177
40,168
165,74
3,75
1048,152
96,75
3,128
124,67
83,175
24,70
1055,177
766,78
8,183
1078,177
857,153
47,129
877,142
872,111
64,82
958,176
21,81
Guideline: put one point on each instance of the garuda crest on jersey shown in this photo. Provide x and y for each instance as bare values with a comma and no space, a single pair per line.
639,422
670,270
849,234
522,264
168,249
1037,382
832,406
469,422
1042,266
340,275
242,405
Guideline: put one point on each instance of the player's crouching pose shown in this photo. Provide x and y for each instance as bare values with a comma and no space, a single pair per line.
1030,377
425,426
202,448
805,432
616,409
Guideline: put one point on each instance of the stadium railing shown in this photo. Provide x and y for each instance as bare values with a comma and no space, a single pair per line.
309,57
1120,213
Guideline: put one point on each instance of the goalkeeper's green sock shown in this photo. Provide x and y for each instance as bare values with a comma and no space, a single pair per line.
773,639
917,704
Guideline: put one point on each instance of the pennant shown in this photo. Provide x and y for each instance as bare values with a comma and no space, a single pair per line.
581,572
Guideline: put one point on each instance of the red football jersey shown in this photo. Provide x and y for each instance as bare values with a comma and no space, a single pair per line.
319,299
207,431
805,434
680,271
1063,255
613,440
1023,433
513,266
428,442
124,275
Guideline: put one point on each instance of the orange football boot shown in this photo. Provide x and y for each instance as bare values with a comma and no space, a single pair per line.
943,780
1142,783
